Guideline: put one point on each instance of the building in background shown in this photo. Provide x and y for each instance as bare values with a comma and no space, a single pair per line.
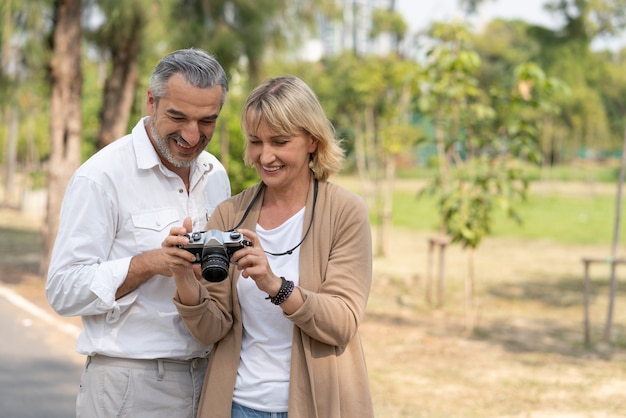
349,32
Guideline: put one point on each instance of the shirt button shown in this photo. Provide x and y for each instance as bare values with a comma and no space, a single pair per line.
181,191
158,223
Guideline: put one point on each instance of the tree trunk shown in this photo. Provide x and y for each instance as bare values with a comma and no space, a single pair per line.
470,315
120,86
615,245
65,115
387,204
360,157
363,160
11,117
441,152
10,187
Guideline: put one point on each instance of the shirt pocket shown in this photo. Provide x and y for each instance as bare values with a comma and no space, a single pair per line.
151,227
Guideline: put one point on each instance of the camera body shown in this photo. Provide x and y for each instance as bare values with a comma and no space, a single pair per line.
213,249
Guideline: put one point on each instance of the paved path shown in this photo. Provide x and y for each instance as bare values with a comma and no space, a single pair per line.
39,368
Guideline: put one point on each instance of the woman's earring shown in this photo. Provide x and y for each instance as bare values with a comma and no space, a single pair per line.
312,163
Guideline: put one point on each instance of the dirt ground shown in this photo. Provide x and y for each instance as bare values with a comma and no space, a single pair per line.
525,357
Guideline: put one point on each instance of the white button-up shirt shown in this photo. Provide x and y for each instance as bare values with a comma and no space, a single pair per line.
120,203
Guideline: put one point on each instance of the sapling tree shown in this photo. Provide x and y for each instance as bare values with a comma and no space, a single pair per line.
486,140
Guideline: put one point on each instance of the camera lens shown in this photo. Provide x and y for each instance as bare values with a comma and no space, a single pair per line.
215,267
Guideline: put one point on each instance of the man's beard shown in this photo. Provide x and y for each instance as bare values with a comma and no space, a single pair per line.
162,143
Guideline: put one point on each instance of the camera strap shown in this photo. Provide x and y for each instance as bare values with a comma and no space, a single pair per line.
288,252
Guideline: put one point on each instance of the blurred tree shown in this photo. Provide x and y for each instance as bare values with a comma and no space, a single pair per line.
567,52
502,46
588,19
22,72
613,88
583,121
65,114
389,22
244,33
373,108
485,138
119,40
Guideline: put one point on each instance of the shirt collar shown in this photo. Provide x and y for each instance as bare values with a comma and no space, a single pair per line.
145,153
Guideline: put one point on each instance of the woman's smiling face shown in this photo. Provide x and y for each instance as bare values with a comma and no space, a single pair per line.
281,159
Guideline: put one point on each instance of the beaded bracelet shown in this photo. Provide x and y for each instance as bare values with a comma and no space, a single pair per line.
286,287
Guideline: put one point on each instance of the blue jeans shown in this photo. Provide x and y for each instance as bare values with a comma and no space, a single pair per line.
239,411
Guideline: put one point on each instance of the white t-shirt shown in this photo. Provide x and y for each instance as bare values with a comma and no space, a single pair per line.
263,374
120,203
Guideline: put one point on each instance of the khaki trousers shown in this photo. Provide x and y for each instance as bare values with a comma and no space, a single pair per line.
117,387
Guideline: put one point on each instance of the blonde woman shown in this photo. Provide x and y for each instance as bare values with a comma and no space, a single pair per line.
285,322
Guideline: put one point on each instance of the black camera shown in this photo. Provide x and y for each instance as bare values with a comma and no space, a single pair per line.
213,249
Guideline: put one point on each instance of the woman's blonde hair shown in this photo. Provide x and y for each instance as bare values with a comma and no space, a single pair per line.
289,106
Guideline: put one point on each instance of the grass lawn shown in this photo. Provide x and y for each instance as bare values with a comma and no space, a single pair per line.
555,217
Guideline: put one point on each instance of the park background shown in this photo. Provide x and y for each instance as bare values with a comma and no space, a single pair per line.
503,140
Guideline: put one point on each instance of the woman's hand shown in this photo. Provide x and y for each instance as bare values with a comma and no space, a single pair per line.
253,264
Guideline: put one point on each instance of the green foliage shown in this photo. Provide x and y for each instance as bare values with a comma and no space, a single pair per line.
611,87
23,82
485,141
243,32
240,175
33,144
503,45
592,113
38,179
466,212
586,19
385,21
120,21
91,105
370,108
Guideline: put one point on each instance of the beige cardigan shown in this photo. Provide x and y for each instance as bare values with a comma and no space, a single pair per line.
328,373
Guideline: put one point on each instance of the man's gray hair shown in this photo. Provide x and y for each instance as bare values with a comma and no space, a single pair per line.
199,68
